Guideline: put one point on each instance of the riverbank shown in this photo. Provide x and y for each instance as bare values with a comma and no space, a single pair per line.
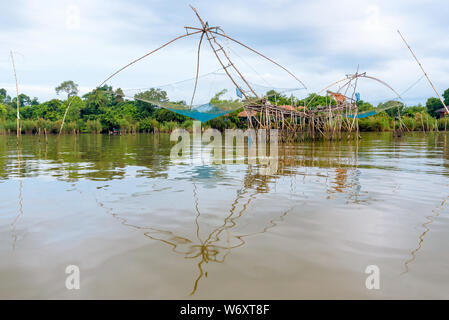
378,123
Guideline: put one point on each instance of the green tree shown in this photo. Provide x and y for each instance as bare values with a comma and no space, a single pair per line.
314,100
50,110
153,94
412,110
24,100
217,97
392,107
4,98
97,100
69,87
446,96
363,106
74,112
26,112
3,111
119,95
432,105
129,110
164,115
277,98
144,99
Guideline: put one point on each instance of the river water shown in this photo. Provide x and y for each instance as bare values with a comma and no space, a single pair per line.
139,225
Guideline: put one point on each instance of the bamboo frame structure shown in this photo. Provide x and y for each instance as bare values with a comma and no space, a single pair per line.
210,35
146,55
65,114
324,121
340,113
17,95
425,73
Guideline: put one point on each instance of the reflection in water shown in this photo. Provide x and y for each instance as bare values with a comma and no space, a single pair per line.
216,246
348,201
19,215
426,225
20,198
221,240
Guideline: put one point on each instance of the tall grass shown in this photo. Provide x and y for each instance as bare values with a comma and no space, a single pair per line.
29,126
410,123
420,121
93,126
376,123
443,124
148,125
168,126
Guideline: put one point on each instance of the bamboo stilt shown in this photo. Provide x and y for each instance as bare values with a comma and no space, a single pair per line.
17,96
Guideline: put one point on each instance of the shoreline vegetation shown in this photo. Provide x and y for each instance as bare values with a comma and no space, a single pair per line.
105,111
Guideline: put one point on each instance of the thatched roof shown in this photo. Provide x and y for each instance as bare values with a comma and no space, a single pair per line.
243,114
288,107
441,110
337,96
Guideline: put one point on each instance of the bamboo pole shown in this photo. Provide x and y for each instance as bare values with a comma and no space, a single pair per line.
207,31
146,55
17,94
235,68
352,97
422,123
197,69
420,65
65,114
263,56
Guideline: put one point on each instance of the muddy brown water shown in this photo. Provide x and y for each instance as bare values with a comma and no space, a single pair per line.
141,226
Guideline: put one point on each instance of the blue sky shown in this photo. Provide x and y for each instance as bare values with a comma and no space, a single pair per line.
320,41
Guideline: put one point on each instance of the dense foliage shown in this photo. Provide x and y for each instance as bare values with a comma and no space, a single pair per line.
107,110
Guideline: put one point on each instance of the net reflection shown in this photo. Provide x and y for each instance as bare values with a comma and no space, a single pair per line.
221,240
426,225
215,245
19,215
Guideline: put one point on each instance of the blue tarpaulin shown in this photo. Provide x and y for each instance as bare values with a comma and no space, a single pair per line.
361,115
238,92
203,113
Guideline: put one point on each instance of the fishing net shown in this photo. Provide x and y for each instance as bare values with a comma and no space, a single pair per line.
214,95
350,91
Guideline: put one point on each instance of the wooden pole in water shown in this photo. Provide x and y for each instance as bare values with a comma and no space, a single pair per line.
17,95
422,123
428,79
65,114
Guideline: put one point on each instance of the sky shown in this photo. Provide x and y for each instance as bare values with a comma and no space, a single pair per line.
320,41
